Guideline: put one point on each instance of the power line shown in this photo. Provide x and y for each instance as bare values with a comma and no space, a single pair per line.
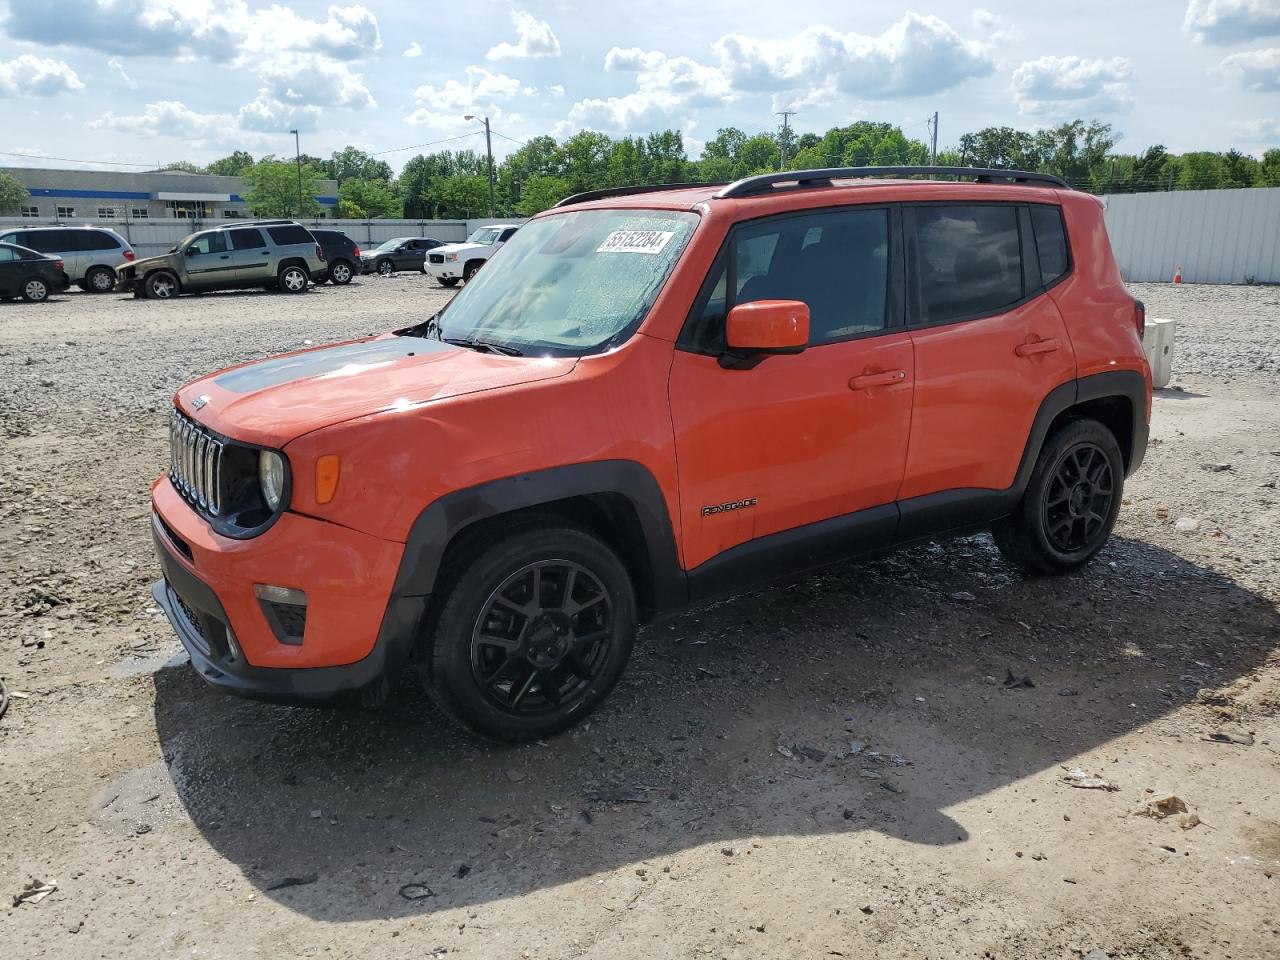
110,163
431,143
523,143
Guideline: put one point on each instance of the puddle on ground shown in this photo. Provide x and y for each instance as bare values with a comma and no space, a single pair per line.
169,655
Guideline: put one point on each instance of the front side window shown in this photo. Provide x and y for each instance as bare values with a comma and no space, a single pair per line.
571,283
836,262
968,260
7,254
207,243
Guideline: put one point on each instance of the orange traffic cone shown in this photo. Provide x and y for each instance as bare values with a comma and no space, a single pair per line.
1177,274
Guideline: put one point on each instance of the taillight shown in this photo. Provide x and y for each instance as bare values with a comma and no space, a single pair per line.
1140,317
357,253
319,252
130,255
58,264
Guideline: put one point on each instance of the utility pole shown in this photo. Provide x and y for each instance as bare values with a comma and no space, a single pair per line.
933,139
782,145
297,150
488,146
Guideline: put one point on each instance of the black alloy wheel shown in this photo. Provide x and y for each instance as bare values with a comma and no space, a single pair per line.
1078,497
542,638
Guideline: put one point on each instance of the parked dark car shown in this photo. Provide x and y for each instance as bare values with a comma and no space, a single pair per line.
341,253
30,274
402,253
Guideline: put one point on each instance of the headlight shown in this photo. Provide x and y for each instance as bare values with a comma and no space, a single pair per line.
271,477
451,257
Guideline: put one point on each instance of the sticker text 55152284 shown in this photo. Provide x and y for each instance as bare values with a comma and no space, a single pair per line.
635,241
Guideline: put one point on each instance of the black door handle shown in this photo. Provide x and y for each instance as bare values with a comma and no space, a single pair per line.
225,256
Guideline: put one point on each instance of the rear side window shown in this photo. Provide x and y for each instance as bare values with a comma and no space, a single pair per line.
968,260
244,239
46,241
97,240
289,235
1051,242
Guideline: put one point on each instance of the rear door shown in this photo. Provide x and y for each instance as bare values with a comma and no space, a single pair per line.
989,347
250,255
796,440
208,262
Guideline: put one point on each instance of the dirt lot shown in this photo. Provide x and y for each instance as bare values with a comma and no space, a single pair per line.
833,768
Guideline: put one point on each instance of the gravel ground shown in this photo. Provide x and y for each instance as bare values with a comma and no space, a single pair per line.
829,768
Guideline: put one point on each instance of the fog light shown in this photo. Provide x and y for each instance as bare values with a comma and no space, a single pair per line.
265,591
232,646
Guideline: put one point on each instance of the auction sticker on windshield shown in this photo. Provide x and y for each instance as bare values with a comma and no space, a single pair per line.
635,241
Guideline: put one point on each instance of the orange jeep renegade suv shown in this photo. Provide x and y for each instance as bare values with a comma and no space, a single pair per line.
651,397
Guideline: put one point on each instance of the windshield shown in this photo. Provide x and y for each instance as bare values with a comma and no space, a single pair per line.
485,235
571,283
391,244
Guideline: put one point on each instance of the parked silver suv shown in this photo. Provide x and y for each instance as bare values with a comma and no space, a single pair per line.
91,254
272,254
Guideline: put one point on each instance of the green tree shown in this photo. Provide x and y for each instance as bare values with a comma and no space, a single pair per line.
369,198
12,193
1002,148
273,188
352,163
1269,169
459,196
541,193
185,166
231,166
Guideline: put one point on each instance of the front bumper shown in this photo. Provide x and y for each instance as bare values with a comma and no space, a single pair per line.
357,636
445,271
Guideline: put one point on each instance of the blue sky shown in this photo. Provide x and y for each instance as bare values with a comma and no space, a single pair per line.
145,81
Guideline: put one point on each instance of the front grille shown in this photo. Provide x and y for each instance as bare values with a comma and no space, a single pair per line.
436,257
195,621
195,466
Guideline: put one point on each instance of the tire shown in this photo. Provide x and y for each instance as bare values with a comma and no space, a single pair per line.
448,281
161,285
1069,508
471,270
292,279
493,667
385,268
100,280
341,273
35,290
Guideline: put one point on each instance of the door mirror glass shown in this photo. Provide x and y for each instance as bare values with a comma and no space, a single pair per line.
768,326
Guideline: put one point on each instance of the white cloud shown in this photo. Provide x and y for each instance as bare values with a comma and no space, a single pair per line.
1224,22
306,79
632,59
413,50
170,118
666,88
1257,70
265,114
197,28
1265,132
31,76
118,68
918,55
535,39
556,90
481,88
993,27
1054,87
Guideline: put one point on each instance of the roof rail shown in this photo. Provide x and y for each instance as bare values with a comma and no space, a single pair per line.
822,178
628,191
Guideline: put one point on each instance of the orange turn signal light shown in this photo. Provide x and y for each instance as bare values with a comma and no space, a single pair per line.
326,478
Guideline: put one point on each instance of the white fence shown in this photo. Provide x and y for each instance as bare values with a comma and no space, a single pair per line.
151,237
1216,236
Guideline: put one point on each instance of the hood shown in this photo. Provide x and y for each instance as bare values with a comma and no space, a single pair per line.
274,401
146,262
463,247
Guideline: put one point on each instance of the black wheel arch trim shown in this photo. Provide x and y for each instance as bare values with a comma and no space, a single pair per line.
443,519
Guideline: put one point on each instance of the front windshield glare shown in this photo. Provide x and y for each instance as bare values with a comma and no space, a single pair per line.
571,283
390,244
484,235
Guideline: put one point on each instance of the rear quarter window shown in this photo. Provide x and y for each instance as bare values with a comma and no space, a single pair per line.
289,235
98,240
1051,242
968,260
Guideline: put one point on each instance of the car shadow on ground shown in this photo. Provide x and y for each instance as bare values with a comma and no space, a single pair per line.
869,697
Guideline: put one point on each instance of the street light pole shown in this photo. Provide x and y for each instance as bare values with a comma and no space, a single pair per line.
488,146
297,148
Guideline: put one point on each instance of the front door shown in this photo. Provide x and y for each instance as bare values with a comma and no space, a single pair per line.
796,440
208,262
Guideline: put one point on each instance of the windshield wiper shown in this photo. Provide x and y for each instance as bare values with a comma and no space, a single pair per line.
487,346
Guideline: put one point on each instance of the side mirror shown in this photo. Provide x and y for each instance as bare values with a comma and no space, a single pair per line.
191,251
763,327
